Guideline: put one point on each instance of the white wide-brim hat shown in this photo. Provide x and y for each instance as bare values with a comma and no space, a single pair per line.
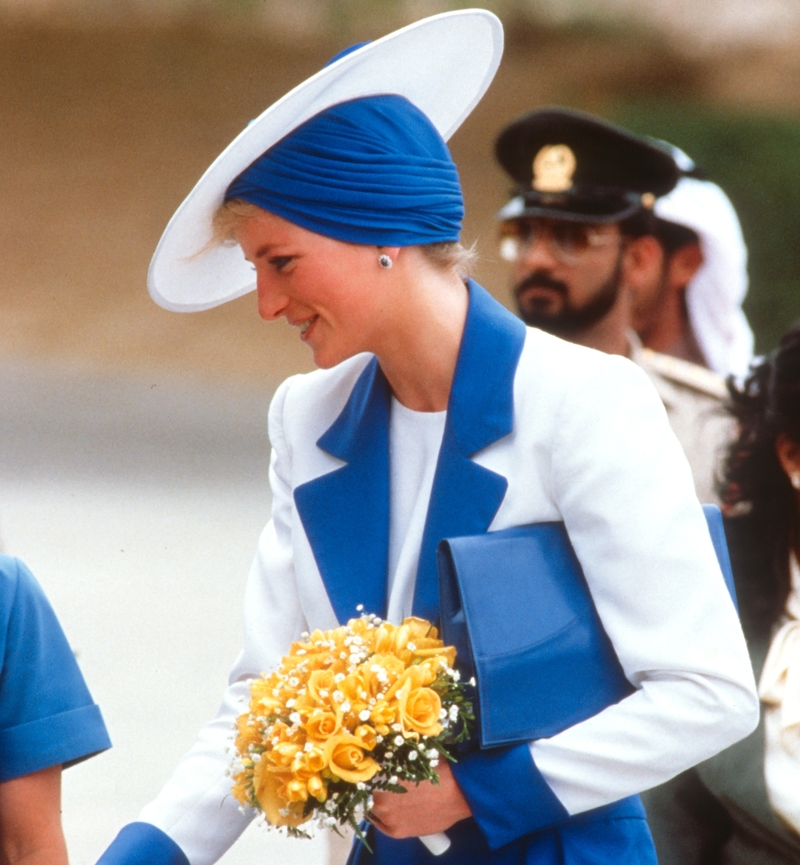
443,65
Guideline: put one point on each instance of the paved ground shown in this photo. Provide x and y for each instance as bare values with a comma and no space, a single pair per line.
138,504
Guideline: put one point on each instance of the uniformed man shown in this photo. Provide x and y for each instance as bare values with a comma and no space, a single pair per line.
691,305
580,234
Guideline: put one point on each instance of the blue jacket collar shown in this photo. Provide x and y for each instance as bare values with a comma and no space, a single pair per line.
345,513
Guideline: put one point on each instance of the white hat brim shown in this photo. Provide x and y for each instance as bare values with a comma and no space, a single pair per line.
442,64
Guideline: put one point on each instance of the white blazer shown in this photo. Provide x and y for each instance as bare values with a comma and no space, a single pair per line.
537,430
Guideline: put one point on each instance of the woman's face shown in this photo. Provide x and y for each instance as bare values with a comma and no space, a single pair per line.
325,288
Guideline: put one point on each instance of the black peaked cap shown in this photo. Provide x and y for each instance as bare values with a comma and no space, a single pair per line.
611,173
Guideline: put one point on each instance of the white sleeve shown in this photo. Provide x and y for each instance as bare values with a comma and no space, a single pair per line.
625,492
196,808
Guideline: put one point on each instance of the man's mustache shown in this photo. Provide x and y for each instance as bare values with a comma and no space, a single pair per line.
538,279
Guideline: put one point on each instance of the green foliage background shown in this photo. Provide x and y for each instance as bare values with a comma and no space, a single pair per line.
756,160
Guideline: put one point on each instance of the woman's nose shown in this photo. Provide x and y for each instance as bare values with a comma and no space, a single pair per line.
272,300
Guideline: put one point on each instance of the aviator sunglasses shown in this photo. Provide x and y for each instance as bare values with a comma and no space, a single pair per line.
568,240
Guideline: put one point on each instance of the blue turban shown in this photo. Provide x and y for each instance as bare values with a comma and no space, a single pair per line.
373,171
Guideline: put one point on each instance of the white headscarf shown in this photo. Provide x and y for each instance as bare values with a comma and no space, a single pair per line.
714,296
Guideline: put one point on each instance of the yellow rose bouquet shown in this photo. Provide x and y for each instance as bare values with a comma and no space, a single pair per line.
349,711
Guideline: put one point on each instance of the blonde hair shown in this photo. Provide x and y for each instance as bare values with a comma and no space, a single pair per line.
228,219
232,214
451,256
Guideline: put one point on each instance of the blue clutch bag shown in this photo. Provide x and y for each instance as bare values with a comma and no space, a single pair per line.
532,639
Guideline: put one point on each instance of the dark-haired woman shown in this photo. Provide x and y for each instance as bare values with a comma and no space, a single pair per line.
742,807
435,413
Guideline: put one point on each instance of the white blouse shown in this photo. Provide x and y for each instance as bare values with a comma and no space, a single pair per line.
779,689
415,438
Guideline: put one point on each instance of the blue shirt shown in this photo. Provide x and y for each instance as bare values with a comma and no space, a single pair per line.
47,715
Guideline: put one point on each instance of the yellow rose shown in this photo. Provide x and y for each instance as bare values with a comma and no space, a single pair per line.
314,760
440,655
415,677
379,672
316,788
268,782
283,753
320,686
382,715
322,725
366,736
384,638
249,734
419,710
294,791
354,689
344,756
420,629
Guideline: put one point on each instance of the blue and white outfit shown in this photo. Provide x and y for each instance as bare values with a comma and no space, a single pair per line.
536,430
47,715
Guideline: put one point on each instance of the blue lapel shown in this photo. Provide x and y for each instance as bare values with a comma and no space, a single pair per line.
345,513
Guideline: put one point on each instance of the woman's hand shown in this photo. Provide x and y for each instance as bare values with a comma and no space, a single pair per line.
423,809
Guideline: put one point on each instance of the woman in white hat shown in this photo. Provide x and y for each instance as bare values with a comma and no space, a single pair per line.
436,414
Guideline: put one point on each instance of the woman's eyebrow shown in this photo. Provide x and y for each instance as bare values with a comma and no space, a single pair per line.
263,250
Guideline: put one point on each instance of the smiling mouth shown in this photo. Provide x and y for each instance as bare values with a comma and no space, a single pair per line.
304,326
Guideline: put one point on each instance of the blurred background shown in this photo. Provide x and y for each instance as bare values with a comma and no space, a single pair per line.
133,449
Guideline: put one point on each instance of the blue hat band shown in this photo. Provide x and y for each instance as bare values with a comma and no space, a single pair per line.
372,171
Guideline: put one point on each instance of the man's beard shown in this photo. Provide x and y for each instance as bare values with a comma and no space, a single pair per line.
568,321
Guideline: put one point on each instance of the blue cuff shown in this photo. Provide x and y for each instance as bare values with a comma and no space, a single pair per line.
143,844
508,796
65,738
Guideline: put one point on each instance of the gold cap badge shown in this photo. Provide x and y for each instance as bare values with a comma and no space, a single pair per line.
648,200
553,168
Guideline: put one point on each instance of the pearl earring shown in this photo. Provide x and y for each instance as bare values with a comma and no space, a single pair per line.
794,477
385,261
